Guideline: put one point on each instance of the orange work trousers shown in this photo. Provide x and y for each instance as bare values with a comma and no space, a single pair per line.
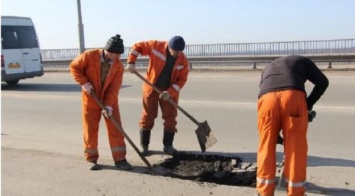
91,119
287,111
151,103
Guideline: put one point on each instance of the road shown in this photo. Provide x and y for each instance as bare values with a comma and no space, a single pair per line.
41,136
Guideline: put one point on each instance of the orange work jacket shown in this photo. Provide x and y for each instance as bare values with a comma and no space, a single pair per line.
87,68
156,50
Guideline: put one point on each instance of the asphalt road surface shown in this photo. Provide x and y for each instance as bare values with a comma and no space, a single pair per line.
41,136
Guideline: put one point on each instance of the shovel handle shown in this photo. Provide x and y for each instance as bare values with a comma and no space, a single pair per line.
279,183
120,129
169,100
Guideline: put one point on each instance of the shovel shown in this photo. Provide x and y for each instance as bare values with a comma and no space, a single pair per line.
151,169
204,133
279,183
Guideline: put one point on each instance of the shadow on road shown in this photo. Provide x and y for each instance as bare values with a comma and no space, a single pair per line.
135,169
312,188
155,170
313,161
45,87
323,161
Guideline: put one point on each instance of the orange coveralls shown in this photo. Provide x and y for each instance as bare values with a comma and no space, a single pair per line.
286,110
87,68
156,50
283,104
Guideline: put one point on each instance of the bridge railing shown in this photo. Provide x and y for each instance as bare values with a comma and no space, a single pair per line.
273,48
324,51
211,50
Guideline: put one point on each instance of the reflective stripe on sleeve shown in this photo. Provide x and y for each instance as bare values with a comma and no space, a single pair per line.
158,54
176,87
135,52
265,181
179,67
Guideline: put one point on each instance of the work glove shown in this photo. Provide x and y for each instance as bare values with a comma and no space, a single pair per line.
107,112
87,87
131,67
164,95
311,115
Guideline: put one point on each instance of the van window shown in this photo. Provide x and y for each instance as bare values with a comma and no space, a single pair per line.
17,37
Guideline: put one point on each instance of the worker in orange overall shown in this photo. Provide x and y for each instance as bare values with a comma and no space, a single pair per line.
283,105
167,70
100,71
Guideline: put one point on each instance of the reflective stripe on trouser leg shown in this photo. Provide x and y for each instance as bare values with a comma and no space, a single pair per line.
118,153
169,114
295,188
266,186
91,154
150,109
269,127
90,119
294,125
115,137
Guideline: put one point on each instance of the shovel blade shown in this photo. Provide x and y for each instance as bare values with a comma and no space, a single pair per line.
205,136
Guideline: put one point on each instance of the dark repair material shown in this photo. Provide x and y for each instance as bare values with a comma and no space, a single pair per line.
219,169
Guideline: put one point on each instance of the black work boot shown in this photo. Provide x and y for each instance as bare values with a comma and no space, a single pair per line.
168,142
145,137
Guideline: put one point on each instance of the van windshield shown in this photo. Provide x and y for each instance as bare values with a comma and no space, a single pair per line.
16,37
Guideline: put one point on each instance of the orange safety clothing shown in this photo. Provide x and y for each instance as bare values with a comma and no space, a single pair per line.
87,68
283,105
157,52
284,110
150,112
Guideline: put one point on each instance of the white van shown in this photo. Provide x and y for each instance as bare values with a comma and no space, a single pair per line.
20,51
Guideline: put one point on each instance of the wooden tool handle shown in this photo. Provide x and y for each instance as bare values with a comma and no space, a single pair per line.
169,100
118,126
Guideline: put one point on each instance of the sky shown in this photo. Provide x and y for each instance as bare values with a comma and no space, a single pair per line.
198,21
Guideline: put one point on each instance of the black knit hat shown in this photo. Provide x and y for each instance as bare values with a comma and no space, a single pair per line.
115,45
177,43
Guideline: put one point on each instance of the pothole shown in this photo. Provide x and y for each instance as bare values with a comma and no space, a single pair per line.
219,169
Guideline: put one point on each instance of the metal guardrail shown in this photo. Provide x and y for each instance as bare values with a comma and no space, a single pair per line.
330,51
266,48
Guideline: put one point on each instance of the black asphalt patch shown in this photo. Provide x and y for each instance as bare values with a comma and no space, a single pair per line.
213,168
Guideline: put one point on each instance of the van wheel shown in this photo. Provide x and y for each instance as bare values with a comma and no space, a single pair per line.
12,82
